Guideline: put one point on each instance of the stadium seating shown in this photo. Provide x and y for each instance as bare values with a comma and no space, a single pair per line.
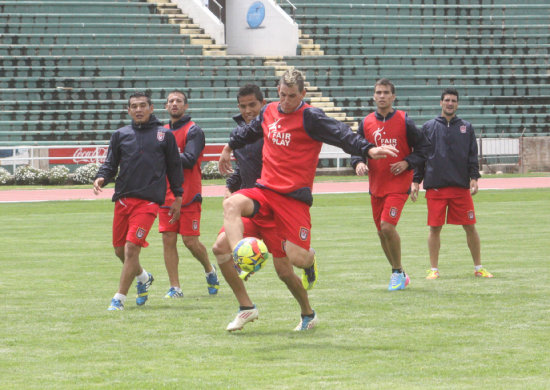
67,67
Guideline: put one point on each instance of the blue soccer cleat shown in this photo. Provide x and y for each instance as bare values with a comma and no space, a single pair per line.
307,323
173,293
143,290
212,281
116,304
398,281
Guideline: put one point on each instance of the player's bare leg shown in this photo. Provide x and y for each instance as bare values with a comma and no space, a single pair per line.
298,256
131,267
391,244
293,282
171,257
474,243
222,252
198,250
235,207
434,245
119,252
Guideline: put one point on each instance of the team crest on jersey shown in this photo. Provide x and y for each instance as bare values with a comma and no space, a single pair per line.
160,136
463,129
471,215
195,225
304,233
393,212
140,233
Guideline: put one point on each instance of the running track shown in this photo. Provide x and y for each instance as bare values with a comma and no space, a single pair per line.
11,196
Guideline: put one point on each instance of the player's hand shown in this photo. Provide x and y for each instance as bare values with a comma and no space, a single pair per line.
399,167
414,191
98,183
175,209
383,152
473,187
224,163
361,169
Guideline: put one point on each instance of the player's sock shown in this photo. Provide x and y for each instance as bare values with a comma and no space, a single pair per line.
120,297
478,267
246,307
143,277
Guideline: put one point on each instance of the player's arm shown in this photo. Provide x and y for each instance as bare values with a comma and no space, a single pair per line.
194,146
328,130
108,170
174,173
359,163
473,161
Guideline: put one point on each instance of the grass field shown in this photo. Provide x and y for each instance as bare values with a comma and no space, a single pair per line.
58,274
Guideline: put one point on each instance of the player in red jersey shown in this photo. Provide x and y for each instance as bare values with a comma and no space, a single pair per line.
191,141
293,133
139,190
390,179
450,179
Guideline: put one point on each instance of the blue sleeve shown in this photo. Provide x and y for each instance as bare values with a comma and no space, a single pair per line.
174,172
109,168
419,143
247,134
473,161
355,159
194,146
328,130
419,169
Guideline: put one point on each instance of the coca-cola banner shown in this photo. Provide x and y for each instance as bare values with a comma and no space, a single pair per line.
83,155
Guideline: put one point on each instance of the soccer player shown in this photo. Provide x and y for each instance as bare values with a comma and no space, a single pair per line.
146,154
293,133
250,101
390,179
191,141
450,177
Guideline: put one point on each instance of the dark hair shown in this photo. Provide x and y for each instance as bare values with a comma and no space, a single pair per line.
449,91
178,91
385,82
250,89
139,94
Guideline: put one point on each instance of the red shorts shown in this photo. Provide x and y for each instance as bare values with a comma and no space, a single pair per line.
290,221
133,220
456,202
387,208
189,223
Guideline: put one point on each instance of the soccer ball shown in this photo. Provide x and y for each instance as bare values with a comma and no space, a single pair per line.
250,253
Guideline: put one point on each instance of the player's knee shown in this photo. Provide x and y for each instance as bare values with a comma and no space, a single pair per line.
191,242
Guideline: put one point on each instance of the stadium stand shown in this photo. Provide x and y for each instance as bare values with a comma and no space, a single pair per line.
68,66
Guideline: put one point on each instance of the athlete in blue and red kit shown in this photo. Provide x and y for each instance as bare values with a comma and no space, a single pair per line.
390,179
191,141
293,134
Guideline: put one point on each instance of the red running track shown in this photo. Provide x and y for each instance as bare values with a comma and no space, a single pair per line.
318,188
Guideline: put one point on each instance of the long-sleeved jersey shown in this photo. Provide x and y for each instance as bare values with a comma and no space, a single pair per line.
191,141
452,159
146,154
249,163
292,143
398,130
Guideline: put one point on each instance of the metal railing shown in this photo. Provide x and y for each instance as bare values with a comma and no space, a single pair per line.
292,6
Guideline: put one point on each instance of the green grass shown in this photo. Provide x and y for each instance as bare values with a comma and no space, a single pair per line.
58,273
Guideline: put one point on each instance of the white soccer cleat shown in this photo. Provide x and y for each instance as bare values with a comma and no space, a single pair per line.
243,316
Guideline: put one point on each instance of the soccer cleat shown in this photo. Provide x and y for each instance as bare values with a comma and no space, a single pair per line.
244,275
173,293
398,281
432,274
212,282
116,304
243,316
483,273
143,290
307,323
310,275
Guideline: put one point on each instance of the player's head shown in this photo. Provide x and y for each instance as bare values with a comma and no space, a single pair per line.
384,95
250,101
449,102
291,90
176,104
140,107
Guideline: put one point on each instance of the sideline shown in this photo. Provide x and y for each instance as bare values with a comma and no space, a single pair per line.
16,196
